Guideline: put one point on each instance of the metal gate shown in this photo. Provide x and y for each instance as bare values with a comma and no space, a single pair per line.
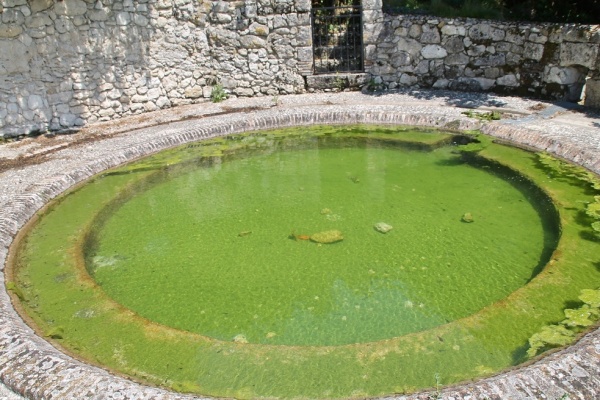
337,39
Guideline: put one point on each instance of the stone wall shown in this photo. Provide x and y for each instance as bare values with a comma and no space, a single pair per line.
542,60
66,63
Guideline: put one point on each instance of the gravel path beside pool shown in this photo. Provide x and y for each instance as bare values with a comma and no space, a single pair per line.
35,170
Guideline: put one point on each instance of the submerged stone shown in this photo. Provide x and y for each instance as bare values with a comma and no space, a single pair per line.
326,237
383,227
467,217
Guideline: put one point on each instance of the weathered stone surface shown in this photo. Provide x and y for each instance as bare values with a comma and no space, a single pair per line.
454,44
40,5
592,93
563,75
578,54
485,31
401,58
14,57
252,42
508,80
457,59
433,51
70,7
35,102
10,31
533,51
409,46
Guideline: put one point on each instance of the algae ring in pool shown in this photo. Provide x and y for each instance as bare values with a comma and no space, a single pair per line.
252,265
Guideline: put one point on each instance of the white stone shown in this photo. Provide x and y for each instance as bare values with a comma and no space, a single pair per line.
449,30
433,51
14,57
154,93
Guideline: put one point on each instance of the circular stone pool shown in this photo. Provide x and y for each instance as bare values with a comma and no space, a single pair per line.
205,269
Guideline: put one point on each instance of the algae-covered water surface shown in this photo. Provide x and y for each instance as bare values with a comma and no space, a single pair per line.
324,262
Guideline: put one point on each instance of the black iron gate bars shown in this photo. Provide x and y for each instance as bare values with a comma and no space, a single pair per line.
337,39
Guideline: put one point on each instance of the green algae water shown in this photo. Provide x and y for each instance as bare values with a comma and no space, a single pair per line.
195,268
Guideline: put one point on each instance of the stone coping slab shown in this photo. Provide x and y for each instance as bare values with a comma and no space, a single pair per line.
32,368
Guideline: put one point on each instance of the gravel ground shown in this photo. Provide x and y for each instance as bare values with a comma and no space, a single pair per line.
34,170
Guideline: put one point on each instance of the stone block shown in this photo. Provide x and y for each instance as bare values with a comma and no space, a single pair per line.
14,57
564,75
13,3
485,83
441,84
123,18
486,31
410,46
533,51
70,7
433,51
509,80
10,31
252,42
493,60
35,102
592,93
457,59
578,54
401,58
454,44
516,35
415,31
38,21
258,29
194,92
581,34
68,120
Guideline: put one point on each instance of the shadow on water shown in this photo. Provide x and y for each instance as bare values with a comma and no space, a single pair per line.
519,356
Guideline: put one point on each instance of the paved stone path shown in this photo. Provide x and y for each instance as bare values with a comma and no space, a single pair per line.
34,170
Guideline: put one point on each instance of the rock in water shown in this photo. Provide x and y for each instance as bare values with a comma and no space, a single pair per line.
467,217
383,227
327,237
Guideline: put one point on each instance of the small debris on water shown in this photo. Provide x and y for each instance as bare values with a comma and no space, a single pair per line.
244,233
240,339
383,227
327,236
467,217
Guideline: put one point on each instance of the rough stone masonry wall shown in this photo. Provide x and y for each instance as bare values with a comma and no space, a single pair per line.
65,63
545,60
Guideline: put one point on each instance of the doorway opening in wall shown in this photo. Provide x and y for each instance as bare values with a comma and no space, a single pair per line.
337,36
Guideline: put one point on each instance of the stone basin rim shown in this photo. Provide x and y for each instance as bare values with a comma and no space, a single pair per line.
34,368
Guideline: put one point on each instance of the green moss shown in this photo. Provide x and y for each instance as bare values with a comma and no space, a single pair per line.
548,337
480,343
590,297
582,316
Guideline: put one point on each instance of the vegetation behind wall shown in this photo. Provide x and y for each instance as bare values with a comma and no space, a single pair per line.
567,11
